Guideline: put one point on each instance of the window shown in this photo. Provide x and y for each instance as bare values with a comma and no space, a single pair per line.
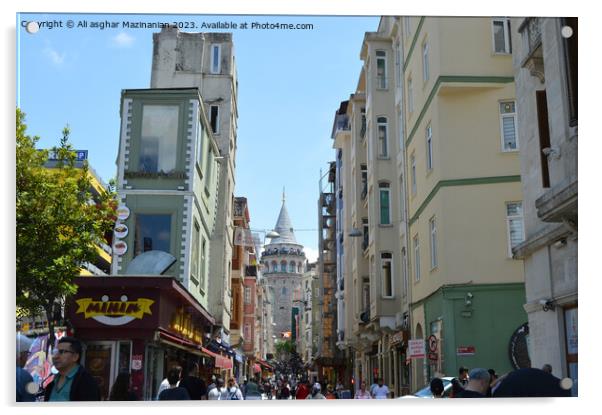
209,171
363,127
381,123
366,233
514,221
364,173
386,261
502,42
153,233
413,173
247,295
365,294
247,333
283,266
433,230
398,68
410,96
381,69
406,26
385,208
216,59
508,125
570,54
429,148
202,264
214,117
544,135
292,267
158,138
194,266
274,266
283,291
416,259
425,61
404,271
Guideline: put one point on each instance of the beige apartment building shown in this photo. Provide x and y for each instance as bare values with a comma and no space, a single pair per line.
433,206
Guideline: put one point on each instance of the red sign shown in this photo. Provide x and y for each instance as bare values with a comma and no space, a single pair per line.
432,343
465,351
433,356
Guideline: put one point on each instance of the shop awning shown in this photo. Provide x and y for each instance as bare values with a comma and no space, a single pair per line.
220,361
266,365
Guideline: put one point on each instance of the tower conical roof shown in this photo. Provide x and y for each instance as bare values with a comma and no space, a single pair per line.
284,227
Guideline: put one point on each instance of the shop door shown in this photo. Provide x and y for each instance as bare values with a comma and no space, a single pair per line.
154,372
98,361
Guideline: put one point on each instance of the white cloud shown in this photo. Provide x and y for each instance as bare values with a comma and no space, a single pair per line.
54,56
311,254
123,40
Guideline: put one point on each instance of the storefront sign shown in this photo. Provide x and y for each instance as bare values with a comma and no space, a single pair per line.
120,231
181,323
123,212
120,247
416,349
114,313
465,351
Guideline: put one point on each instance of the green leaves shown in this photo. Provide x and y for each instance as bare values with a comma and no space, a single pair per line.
57,225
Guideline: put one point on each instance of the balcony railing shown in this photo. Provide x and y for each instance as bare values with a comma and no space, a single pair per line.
382,82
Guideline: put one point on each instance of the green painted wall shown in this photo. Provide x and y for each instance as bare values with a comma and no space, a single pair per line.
153,204
487,324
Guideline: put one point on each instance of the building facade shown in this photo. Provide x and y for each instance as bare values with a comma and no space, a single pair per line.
207,61
545,66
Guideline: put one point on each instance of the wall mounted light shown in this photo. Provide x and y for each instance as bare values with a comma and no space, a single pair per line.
547,304
468,299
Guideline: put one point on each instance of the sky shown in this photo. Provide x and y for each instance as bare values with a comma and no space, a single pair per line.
291,82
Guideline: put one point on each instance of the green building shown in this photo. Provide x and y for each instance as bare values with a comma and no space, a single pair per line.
167,183
472,326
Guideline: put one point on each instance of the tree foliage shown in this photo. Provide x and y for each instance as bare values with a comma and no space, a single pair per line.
58,224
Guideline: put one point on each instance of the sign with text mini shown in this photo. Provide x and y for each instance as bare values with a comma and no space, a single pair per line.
416,349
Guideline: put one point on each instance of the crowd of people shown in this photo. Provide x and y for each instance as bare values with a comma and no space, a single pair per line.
73,383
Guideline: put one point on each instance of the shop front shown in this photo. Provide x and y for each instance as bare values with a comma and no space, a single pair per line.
140,325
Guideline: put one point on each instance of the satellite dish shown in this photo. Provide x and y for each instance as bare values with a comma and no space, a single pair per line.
150,263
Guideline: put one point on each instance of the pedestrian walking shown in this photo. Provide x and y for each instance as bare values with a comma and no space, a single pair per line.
374,385
330,392
122,389
72,382
362,393
303,389
219,392
492,382
253,391
193,383
477,385
234,392
25,386
437,388
381,391
316,392
456,388
174,392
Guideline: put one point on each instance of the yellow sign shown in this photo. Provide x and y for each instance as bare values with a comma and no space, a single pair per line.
135,309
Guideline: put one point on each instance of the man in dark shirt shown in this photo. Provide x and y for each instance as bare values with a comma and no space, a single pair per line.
477,385
174,393
73,382
194,385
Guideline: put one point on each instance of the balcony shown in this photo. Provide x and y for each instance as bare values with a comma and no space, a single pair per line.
530,31
559,203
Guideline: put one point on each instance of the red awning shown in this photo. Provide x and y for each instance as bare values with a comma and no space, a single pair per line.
220,361
264,364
